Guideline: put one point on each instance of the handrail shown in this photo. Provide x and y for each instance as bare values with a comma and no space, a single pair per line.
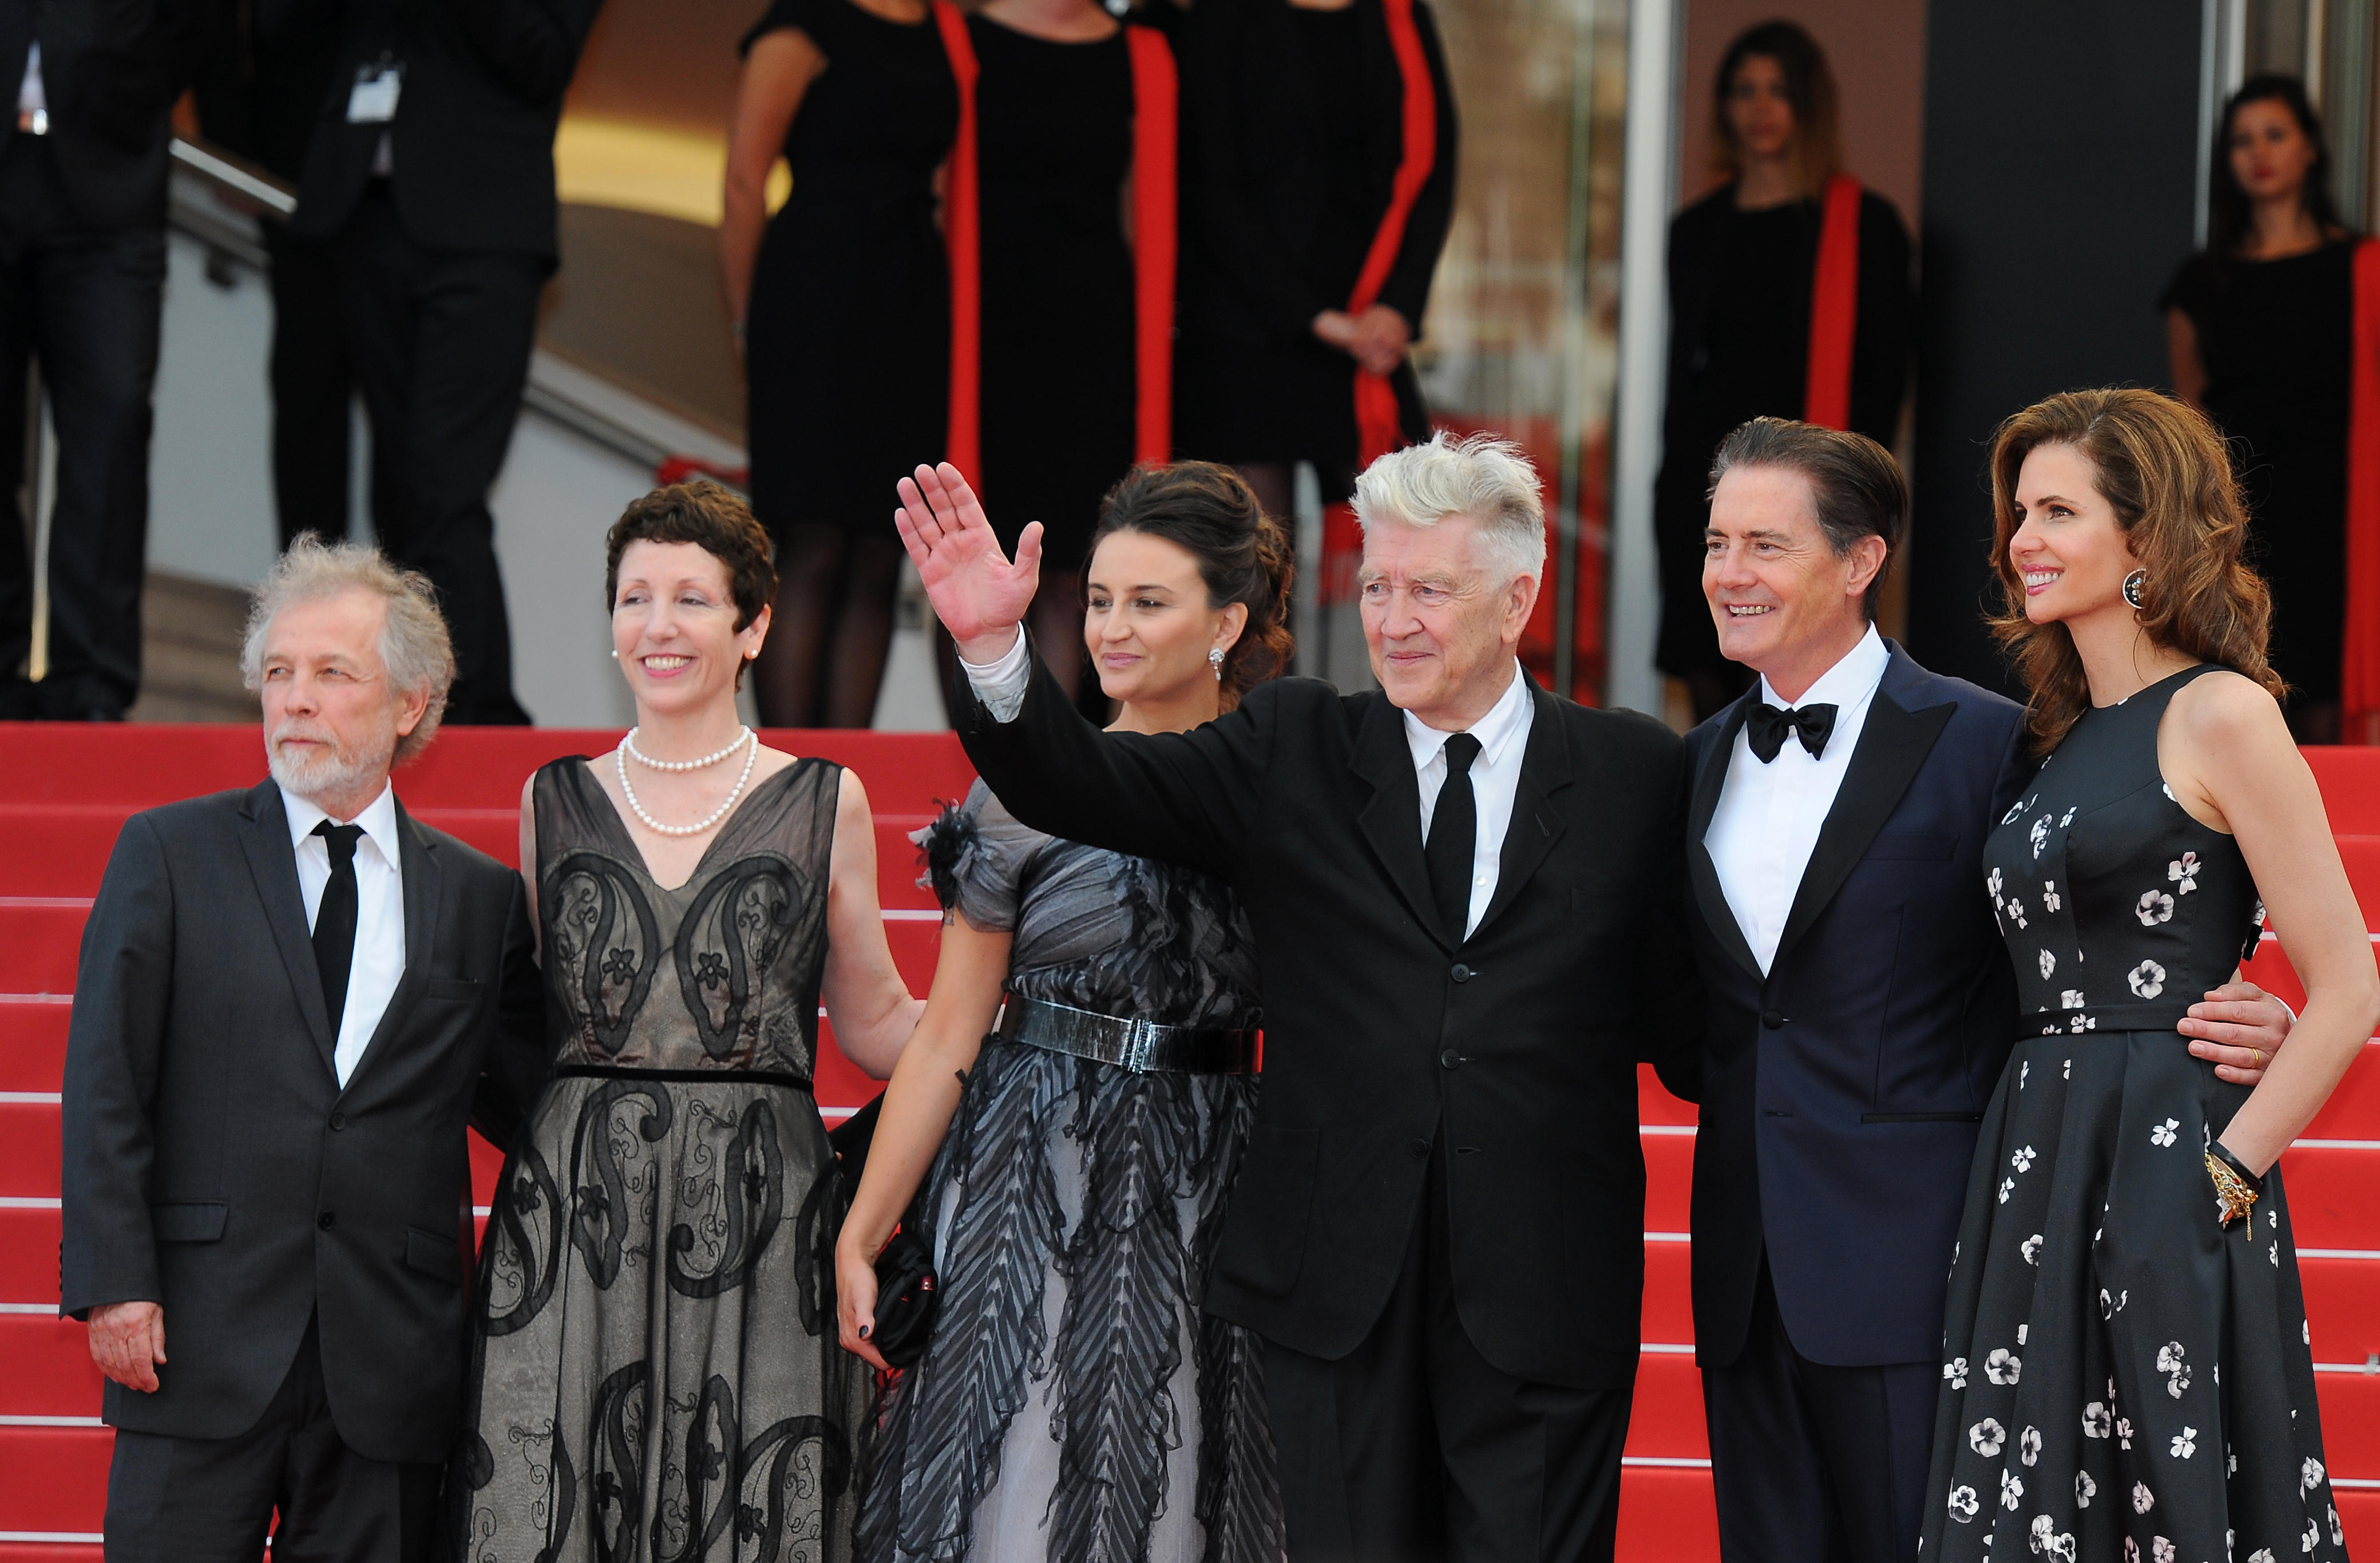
229,172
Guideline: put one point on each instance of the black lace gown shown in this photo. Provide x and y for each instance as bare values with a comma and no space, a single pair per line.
1074,1402
2122,1378
656,1374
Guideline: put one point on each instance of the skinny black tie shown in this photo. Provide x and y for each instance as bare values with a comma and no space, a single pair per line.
1765,729
1454,837
334,920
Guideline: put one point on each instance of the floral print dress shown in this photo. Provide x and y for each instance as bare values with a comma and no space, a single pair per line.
2122,1377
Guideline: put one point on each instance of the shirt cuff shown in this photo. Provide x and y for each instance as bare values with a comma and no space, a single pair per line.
1000,686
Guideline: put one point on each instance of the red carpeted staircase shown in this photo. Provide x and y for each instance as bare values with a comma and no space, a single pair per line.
67,792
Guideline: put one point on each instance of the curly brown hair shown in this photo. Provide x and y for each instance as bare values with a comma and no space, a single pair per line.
713,518
1243,556
2163,468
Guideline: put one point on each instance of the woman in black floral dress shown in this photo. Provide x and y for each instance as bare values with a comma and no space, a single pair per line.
2127,1370
654,1372
1074,1402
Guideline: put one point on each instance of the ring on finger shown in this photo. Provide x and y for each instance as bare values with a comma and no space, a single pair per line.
2258,1054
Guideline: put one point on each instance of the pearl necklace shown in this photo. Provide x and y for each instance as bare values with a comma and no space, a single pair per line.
620,763
629,744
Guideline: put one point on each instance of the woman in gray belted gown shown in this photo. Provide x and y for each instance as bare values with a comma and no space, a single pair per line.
1069,1151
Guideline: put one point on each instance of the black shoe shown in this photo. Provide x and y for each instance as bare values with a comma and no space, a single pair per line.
76,700
17,701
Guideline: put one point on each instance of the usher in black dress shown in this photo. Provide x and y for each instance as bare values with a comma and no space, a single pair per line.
846,342
1055,123
2274,338
2122,1375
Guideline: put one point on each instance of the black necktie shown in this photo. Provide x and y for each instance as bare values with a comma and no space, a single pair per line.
334,920
1454,837
1766,726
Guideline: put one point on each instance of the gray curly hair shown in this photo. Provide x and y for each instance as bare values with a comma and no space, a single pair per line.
413,646
1476,475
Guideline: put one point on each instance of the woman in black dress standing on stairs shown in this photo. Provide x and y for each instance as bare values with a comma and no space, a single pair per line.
843,300
1295,121
2258,325
2127,1367
1741,262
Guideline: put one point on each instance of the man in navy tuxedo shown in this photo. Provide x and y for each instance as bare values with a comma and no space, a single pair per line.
1859,1004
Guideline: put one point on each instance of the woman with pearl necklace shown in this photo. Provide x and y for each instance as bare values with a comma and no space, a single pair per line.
654,1341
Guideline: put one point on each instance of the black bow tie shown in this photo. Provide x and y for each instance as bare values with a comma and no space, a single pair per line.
1766,727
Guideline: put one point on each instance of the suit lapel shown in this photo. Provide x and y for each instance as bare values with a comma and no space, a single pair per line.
419,868
1391,821
1893,745
1710,779
274,865
1536,826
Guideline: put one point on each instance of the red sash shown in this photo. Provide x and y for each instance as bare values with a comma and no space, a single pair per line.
1156,96
1834,307
2358,685
1378,428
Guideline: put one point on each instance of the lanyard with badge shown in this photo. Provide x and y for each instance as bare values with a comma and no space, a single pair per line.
372,99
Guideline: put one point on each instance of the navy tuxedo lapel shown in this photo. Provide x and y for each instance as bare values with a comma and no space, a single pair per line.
273,865
418,863
1536,825
1710,780
1893,747
1391,821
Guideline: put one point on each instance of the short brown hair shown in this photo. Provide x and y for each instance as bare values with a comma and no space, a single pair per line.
714,519
1856,489
2163,468
1211,512
1810,86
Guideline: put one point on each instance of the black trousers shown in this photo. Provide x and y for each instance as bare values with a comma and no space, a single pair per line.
1812,1464
440,341
1414,1447
312,384
211,1500
84,302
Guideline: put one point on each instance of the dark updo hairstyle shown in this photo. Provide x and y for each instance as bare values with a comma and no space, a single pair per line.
2228,218
1243,555
715,520
1809,86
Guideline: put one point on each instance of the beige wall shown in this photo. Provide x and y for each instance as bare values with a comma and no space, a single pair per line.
1878,49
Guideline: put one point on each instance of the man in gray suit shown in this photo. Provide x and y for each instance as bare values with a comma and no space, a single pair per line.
291,1001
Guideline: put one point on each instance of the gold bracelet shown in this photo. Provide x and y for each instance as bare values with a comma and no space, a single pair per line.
2234,1195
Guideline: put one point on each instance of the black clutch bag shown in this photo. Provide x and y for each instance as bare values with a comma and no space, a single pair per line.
907,1295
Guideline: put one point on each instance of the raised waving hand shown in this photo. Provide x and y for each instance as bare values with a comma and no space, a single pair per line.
977,592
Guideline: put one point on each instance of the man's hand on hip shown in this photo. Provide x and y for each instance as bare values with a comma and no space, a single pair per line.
980,596
128,1342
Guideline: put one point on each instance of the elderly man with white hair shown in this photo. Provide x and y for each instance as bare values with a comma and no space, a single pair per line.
1465,896
291,1000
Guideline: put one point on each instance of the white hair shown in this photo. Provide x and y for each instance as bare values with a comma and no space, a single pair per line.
1476,474
413,646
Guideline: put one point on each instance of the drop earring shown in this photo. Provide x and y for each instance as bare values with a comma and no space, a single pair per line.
2132,585
1215,660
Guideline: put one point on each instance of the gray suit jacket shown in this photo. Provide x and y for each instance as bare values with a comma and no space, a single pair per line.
212,1162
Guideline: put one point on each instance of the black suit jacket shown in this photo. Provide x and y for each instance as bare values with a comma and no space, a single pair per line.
215,1165
111,70
473,136
1383,1032
1841,1092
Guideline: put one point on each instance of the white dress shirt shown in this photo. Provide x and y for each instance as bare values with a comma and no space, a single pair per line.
1503,735
379,913
1769,816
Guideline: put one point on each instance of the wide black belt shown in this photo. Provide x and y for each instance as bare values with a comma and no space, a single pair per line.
1140,1046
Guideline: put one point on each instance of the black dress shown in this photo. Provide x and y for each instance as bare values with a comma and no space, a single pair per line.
1293,129
1739,349
1073,1401
655,1373
2121,1377
2274,338
846,342
1054,127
